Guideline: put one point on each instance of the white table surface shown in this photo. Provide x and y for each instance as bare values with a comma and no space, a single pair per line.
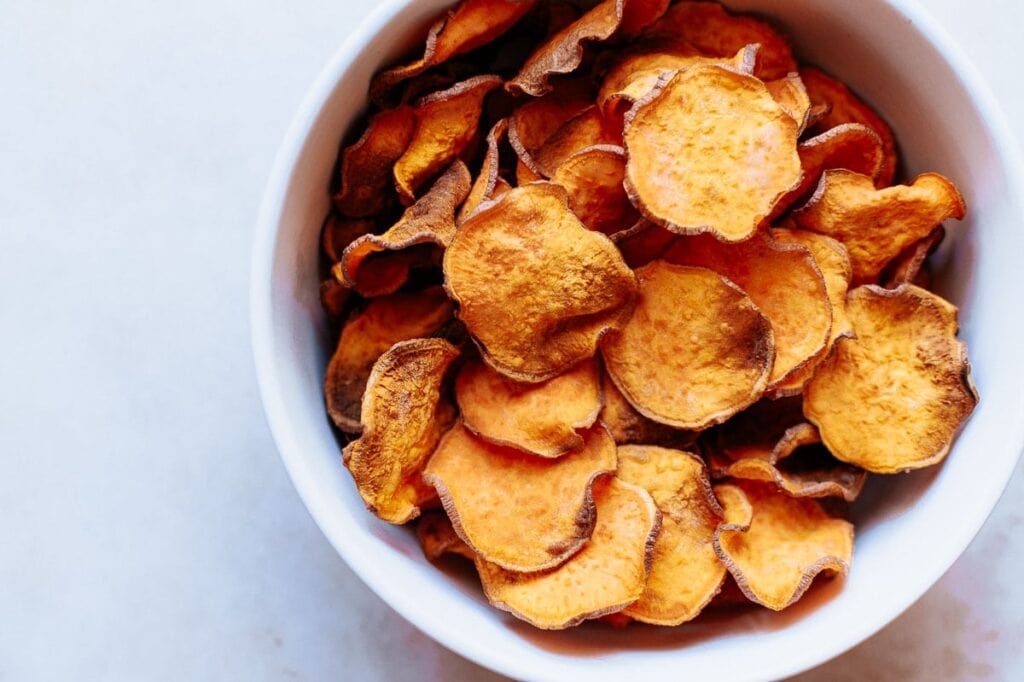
148,530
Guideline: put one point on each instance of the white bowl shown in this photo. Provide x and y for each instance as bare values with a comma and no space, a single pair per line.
910,528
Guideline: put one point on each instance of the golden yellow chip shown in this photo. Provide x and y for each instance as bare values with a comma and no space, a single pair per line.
791,95
534,286
696,350
514,509
894,397
626,425
909,265
607,574
437,537
586,129
485,186
532,123
338,232
710,150
366,165
404,413
592,179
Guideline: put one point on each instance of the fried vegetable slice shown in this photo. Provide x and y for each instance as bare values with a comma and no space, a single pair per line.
788,543
486,183
586,129
543,418
437,537
365,184
695,351
710,150
894,397
514,509
404,414
532,123
685,571
338,232
783,280
627,426
876,225
366,335
906,267
809,472
608,574
592,178
535,287
791,95
446,122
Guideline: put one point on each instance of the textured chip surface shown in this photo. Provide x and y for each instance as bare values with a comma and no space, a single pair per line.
366,165
592,179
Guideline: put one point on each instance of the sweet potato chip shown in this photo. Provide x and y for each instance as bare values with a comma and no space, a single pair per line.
366,335
627,426
695,351
535,287
783,280
592,178
710,150
338,232
908,266
789,541
586,129
791,95
532,123
608,574
642,243
437,537
894,397
876,225
404,414
809,472
514,509
333,297
366,165
543,418
486,183
685,571
446,122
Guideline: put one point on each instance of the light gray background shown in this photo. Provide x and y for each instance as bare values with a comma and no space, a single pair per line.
148,530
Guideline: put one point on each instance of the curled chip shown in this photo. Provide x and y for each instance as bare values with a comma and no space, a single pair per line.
446,122
783,280
586,129
844,107
486,184
876,225
685,571
366,165
695,351
337,233
517,510
789,541
894,397
909,265
626,425
437,537
642,243
534,122
608,574
713,31
534,286
404,414
592,179
791,95
543,418
366,335
431,220
710,150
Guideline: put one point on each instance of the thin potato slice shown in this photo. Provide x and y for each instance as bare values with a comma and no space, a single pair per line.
592,179
696,350
627,426
586,129
792,96
437,537
789,541
337,233
366,164
809,472
486,183
894,397
534,286
533,122
404,413
517,510
710,150
608,574
908,266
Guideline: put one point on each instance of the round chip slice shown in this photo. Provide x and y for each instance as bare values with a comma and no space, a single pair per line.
366,164
626,425
532,123
592,178
586,129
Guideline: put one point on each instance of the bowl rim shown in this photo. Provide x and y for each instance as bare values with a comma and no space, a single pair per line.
282,429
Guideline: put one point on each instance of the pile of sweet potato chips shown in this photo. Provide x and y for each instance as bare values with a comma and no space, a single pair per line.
627,303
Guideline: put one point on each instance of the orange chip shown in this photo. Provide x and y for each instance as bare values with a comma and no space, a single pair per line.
534,286
437,537
366,335
333,297
791,95
710,150
543,418
404,414
789,541
844,107
532,123
876,225
608,574
337,233
627,426
592,178
486,182
783,280
586,129
685,571
894,397
809,472
695,351
446,122
517,510
366,165
908,266
642,243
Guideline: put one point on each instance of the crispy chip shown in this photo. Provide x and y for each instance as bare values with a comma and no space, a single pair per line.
695,351
586,129
543,418
608,574
809,472
437,537
535,288
894,397
366,165
876,225
783,280
366,335
486,184
909,265
404,414
685,572
517,510
532,123
446,122
338,232
789,541
592,178
627,426
792,96
710,150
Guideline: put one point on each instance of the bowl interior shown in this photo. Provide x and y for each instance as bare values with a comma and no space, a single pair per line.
910,528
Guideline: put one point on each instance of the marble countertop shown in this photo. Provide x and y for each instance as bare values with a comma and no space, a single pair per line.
148,530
